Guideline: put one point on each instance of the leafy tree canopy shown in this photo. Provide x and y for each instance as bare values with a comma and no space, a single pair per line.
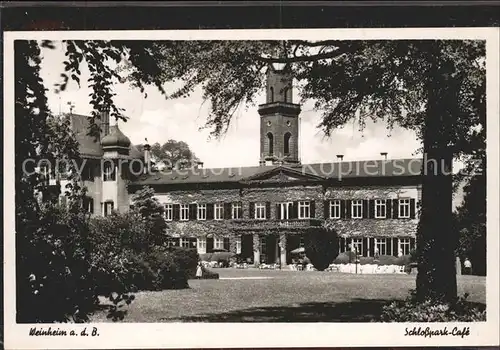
348,80
151,210
172,154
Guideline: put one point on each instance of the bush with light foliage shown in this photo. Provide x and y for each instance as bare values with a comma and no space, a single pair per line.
409,310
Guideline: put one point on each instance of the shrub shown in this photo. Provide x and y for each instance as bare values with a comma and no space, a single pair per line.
123,257
345,258
223,258
206,257
366,260
413,255
388,260
208,274
321,247
410,310
151,210
118,232
350,257
240,259
404,260
186,261
162,268
54,283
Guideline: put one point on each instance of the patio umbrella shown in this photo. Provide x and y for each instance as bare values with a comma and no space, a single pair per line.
298,250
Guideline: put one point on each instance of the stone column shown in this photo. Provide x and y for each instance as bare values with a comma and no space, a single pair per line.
282,246
459,266
232,247
232,243
256,249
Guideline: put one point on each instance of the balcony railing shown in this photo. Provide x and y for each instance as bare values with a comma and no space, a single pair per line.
255,224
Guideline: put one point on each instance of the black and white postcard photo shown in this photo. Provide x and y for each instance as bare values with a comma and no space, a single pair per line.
250,188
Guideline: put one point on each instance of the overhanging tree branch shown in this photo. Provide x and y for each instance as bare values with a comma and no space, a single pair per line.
305,58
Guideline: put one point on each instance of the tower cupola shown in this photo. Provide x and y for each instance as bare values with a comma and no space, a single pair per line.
115,141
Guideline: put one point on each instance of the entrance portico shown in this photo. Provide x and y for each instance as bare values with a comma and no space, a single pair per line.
272,241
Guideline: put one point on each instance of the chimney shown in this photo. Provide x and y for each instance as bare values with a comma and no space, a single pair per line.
340,157
104,122
384,154
147,158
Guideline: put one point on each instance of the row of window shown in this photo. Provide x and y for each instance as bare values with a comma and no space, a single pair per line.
377,246
217,211
363,246
403,208
108,173
334,209
64,172
204,245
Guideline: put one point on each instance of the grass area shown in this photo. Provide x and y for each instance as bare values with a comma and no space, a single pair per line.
284,296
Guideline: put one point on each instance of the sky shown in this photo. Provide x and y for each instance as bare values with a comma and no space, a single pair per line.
159,120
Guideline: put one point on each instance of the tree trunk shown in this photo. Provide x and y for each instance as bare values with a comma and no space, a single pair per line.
436,240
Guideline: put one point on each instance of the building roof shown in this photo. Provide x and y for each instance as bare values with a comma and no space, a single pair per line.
317,171
92,148
89,146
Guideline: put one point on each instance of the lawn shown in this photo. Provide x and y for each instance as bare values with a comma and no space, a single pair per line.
281,296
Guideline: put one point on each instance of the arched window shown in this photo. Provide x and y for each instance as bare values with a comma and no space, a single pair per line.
285,95
271,94
286,144
270,142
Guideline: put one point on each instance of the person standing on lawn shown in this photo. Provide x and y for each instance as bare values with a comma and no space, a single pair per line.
467,267
199,271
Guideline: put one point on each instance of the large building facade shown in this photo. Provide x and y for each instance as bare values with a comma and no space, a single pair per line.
261,212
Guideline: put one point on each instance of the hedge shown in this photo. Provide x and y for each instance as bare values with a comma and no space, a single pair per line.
208,274
155,270
349,257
